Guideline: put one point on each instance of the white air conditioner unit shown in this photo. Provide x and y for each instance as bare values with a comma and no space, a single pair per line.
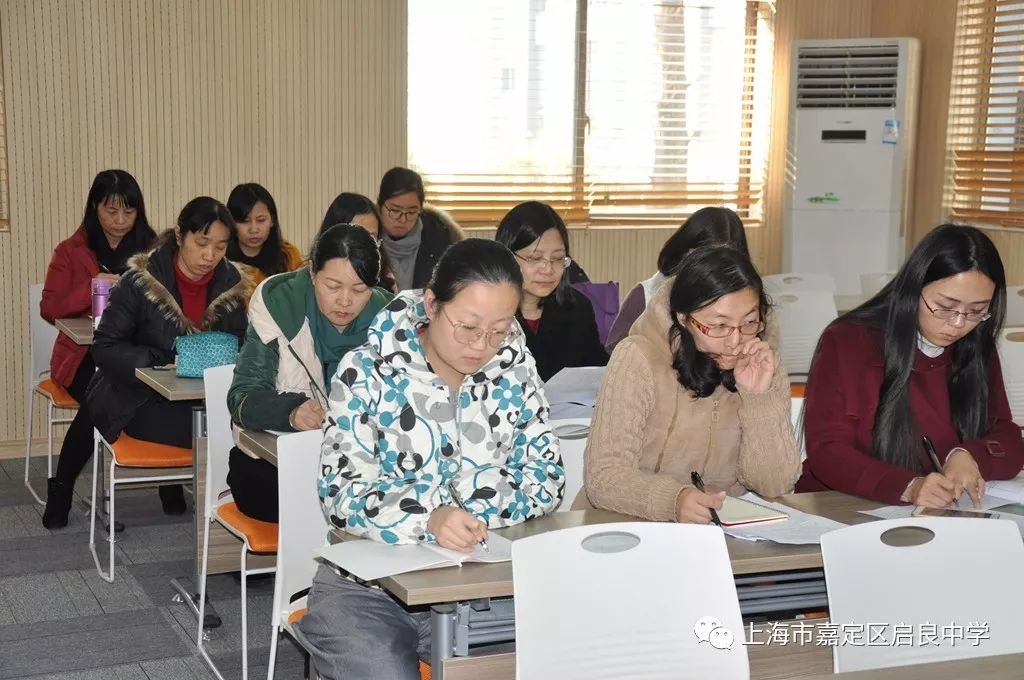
852,120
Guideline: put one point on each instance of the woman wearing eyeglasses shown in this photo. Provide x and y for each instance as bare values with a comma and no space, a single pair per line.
443,396
557,319
415,234
693,388
301,324
917,360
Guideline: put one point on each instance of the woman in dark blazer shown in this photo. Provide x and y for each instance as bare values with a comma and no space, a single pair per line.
184,286
557,319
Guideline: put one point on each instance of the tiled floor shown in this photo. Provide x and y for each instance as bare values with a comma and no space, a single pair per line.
60,621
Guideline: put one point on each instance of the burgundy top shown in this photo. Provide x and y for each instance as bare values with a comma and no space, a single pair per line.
534,324
841,401
193,294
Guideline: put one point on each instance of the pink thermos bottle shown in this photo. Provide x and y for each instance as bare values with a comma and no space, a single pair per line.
100,296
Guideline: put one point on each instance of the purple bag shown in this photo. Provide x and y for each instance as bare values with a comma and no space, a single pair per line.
605,299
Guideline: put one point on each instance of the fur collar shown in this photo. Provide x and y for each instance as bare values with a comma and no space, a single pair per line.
235,296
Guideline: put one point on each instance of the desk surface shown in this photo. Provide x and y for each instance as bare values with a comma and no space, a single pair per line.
982,668
259,443
474,580
168,385
79,330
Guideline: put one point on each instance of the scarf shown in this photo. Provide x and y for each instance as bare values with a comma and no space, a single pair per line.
402,255
330,343
115,260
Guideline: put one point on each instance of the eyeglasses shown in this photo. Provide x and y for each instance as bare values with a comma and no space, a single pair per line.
468,335
953,315
538,262
724,330
401,215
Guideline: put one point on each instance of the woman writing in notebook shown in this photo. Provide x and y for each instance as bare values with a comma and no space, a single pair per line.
917,360
694,388
300,326
444,395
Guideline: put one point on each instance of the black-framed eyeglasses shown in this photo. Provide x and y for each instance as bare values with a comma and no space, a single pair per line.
468,335
724,330
401,215
539,261
953,315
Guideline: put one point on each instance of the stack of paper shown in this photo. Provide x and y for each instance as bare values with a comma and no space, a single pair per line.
800,529
369,560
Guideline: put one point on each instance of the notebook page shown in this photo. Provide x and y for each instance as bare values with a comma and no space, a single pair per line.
500,551
370,560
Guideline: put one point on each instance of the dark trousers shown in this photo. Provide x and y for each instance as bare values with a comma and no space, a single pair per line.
253,484
78,443
163,422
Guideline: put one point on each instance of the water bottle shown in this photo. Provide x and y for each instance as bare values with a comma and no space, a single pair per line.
100,297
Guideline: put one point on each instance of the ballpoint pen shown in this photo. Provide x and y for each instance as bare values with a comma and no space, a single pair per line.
462,506
699,483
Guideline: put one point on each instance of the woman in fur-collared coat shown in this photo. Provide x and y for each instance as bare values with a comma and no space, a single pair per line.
183,286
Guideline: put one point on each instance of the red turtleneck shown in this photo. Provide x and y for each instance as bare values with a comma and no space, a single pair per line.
193,294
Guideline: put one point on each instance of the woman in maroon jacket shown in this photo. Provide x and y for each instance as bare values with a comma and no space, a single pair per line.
113,229
916,361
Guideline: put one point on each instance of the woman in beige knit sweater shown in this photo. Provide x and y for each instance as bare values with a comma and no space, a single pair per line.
694,387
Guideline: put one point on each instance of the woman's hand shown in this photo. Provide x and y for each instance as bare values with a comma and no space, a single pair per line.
755,366
963,472
308,415
108,276
456,529
933,491
695,506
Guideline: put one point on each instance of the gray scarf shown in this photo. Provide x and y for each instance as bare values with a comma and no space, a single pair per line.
402,255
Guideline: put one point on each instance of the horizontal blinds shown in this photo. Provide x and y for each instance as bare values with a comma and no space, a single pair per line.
985,141
675,115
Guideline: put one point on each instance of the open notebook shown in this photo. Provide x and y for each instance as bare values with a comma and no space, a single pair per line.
369,560
738,511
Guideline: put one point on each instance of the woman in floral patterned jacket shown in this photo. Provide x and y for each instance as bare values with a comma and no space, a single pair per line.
444,394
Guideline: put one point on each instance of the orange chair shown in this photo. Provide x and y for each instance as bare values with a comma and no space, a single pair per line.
41,338
142,462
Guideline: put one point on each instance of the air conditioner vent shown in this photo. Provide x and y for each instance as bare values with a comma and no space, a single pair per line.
853,76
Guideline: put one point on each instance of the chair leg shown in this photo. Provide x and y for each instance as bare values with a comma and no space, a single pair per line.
30,403
49,439
96,455
275,634
202,599
245,618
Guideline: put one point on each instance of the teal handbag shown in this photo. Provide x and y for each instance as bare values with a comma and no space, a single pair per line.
200,351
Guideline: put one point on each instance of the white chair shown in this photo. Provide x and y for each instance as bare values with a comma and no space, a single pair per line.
612,600
1011,356
911,573
777,284
302,530
796,415
41,338
572,436
872,282
802,318
1015,305
255,536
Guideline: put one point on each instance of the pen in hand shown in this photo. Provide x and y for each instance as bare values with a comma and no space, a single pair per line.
699,483
930,450
462,506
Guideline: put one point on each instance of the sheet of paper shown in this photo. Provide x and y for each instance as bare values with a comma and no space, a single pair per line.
905,511
1010,489
500,551
800,529
370,560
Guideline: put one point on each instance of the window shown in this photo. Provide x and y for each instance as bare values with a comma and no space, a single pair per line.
614,111
985,142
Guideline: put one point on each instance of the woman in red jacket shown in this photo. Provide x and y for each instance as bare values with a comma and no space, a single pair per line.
916,361
113,229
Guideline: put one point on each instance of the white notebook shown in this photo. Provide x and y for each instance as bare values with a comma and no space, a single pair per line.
369,560
738,511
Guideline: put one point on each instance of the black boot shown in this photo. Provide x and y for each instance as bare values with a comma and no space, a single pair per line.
173,499
58,503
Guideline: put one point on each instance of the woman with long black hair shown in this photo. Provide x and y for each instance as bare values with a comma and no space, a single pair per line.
258,241
917,360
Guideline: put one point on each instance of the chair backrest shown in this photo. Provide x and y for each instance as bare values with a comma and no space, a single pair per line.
572,437
802,317
605,299
1015,305
1011,356
796,415
872,282
42,335
602,601
302,527
216,382
788,283
881,573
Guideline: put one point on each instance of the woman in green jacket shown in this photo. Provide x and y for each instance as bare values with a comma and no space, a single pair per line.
300,325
